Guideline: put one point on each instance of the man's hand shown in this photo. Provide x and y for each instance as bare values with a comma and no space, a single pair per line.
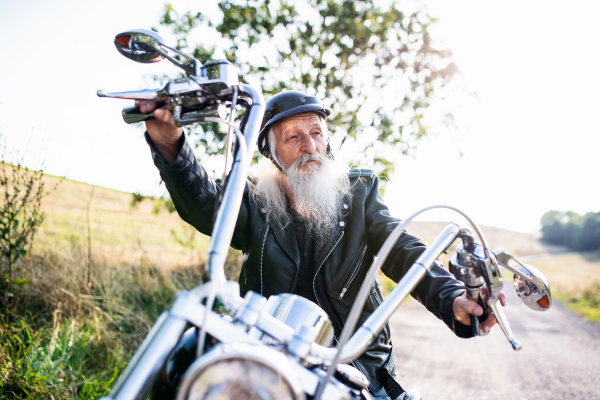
162,130
464,307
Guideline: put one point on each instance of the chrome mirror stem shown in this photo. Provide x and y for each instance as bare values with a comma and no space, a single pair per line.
190,65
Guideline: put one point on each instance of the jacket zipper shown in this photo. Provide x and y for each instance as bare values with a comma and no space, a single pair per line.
262,248
354,274
323,262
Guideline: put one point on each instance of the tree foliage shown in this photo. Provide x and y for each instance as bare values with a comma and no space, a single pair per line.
373,63
579,232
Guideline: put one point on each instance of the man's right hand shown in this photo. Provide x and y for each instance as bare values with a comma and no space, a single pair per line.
162,130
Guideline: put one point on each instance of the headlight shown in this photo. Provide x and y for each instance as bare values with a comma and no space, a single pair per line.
240,371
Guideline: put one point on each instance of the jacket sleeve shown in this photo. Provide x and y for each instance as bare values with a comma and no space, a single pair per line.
195,194
438,289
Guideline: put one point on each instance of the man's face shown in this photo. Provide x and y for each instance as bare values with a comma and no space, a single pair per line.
297,135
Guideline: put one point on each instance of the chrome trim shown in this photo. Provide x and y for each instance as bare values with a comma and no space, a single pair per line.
296,311
276,363
353,376
230,206
227,215
145,94
143,53
530,284
496,308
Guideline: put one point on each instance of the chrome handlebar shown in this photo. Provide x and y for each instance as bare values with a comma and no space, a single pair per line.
193,99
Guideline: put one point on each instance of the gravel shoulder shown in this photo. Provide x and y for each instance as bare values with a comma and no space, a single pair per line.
560,356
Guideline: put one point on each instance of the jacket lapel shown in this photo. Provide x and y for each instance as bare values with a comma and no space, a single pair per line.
287,240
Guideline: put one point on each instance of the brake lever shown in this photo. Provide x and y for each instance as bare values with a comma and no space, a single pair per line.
483,282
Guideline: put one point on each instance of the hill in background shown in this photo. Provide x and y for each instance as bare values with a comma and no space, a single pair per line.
119,232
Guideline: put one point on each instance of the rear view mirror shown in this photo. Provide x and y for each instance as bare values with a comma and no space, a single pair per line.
139,45
531,285
146,46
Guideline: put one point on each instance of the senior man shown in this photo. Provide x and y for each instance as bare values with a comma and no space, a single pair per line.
309,226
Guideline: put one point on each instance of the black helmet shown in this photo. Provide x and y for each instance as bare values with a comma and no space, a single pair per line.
283,105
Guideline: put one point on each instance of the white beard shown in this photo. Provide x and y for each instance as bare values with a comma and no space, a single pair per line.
317,191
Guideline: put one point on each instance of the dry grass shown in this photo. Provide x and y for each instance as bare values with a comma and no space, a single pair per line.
65,340
571,273
126,235
575,280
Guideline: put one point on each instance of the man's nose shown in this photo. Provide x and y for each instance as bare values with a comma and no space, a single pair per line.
309,144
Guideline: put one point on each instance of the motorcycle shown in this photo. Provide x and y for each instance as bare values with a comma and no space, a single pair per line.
214,344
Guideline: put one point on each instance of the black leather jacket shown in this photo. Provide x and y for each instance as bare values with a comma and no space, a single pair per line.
271,258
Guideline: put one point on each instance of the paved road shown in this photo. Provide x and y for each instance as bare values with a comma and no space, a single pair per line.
560,358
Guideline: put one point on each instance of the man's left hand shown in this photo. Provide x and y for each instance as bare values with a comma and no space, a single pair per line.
463,308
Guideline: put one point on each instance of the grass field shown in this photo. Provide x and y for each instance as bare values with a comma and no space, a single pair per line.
128,235
65,340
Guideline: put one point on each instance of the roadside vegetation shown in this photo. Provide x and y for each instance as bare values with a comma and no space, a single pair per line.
97,277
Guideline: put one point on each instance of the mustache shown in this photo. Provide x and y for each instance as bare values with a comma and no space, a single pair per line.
307,157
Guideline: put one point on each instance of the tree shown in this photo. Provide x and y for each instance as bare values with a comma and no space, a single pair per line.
579,232
374,65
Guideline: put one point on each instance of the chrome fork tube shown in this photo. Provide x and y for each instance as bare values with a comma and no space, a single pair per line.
229,210
412,278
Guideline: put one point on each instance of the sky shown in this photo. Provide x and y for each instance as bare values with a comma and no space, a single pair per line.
527,143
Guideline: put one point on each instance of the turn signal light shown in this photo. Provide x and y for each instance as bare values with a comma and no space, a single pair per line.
123,41
544,302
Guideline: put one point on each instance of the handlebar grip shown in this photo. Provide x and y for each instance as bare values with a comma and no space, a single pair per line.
132,114
478,296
